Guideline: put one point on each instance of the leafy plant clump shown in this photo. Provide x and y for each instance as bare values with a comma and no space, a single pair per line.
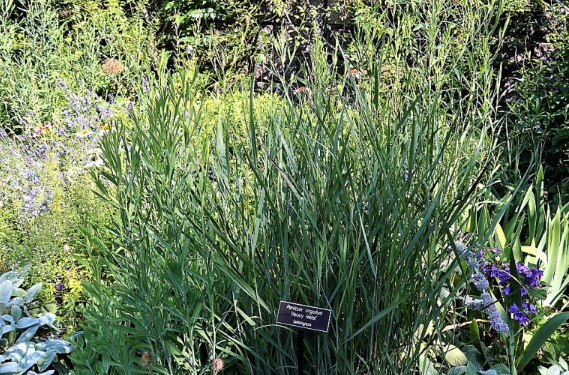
25,343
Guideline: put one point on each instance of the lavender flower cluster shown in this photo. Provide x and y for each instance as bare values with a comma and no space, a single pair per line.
24,166
84,113
487,303
484,272
531,277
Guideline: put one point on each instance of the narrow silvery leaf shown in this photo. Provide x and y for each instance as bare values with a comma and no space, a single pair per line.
554,370
30,359
59,346
9,368
501,369
10,275
26,322
16,312
28,334
8,318
17,352
18,301
32,293
46,318
6,291
563,364
6,329
45,360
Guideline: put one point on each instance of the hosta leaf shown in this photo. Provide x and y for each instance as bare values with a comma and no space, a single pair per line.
488,372
9,368
454,356
45,360
32,293
16,312
6,291
26,322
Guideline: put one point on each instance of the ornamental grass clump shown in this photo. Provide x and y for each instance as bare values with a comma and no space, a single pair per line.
223,216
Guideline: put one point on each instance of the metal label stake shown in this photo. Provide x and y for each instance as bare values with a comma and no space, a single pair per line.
300,351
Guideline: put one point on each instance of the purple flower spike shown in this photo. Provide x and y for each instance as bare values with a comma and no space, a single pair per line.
519,315
59,286
532,309
480,254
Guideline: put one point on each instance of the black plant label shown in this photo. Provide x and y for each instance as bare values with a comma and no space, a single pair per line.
302,316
